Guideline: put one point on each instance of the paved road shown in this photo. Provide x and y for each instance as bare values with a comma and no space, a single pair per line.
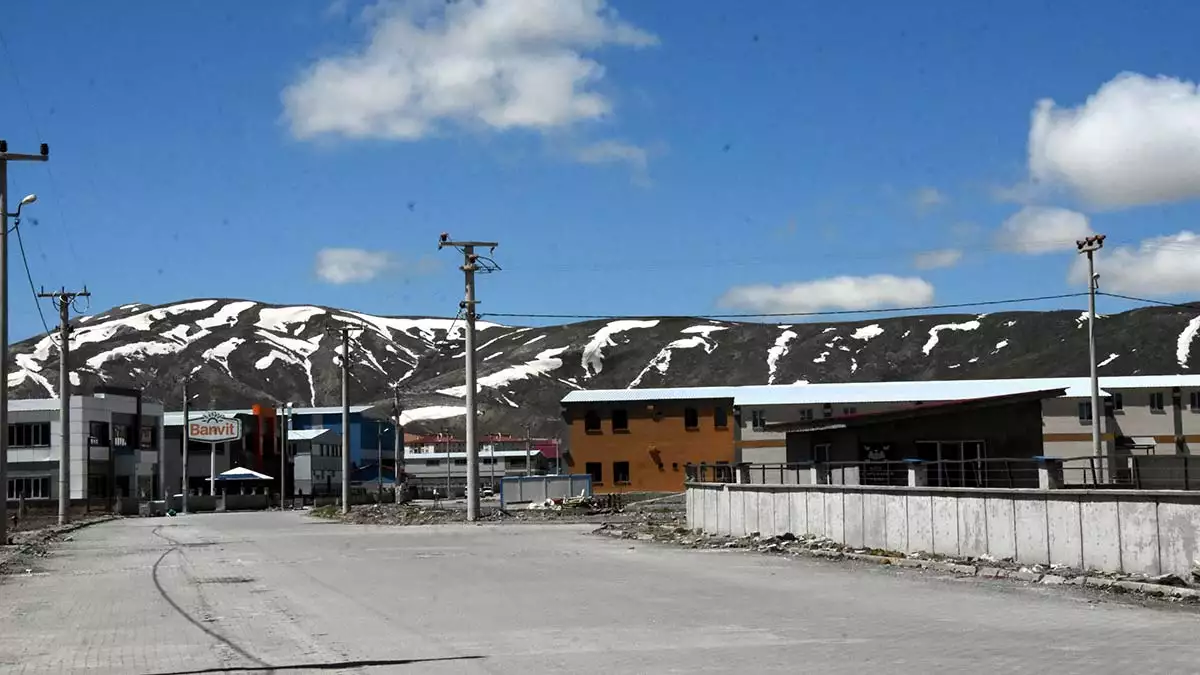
279,592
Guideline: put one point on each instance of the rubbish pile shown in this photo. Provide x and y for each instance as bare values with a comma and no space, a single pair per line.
402,514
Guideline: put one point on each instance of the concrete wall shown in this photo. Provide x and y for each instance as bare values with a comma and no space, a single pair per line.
1112,530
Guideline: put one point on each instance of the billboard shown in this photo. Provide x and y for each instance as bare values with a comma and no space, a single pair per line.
214,428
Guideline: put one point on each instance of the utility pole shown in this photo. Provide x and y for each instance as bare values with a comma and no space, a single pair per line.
528,453
472,263
1090,245
187,421
285,424
398,441
379,429
63,300
344,331
5,158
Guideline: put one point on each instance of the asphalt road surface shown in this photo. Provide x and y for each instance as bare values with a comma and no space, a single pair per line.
281,592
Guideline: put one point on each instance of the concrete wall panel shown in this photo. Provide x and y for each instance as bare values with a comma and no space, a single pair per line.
783,512
1001,535
852,510
835,516
1179,536
972,526
1066,538
896,511
1032,536
920,523
766,513
1101,534
945,525
724,512
737,513
798,502
816,514
1139,537
874,520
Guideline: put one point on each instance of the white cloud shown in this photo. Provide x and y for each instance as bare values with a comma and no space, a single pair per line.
937,259
501,64
1163,265
1135,141
351,265
871,292
611,151
928,198
1042,229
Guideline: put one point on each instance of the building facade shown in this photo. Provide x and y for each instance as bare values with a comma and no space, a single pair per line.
428,471
114,437
317,458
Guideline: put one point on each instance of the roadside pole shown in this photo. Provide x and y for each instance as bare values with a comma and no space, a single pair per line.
187,420
1089,246
63,300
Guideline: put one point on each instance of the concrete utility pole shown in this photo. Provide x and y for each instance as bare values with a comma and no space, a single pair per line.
528,452
285,424
472,263
187,437
344,331
379,429
1089,246
398,441
5,158
63,299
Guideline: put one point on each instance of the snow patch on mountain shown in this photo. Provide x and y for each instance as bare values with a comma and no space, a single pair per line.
544,363
822,358
778,351
433,412
867,332
933,333
1183,346
1105,362
1000,345
133,350
593,353
492,356
533,340
220,353
705,330
227,315
662,361
277,319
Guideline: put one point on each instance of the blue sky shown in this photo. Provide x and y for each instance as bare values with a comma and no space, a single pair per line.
654,157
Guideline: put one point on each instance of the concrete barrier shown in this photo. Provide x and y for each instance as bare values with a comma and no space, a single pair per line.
1130,531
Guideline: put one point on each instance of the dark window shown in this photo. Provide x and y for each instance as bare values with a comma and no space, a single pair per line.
591,422
29,435
1194,399
621,473
720,418
460,462
758,420
596,471
691,418
1085,411
149,438
120,436
806,414
99,433
1118,402
29,487
433,462
620,420
1156,402
849,410
827,411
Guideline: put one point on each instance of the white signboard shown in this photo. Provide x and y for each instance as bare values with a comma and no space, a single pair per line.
214,428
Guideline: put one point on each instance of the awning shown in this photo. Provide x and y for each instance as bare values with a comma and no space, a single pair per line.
240,473
1139,442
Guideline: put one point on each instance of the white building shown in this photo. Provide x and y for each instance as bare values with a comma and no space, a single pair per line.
317,454
114,438
436,469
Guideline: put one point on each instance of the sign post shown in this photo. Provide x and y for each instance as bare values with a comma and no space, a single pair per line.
213,428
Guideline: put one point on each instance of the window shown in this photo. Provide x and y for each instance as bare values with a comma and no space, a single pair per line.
621,473
849,410
29,487
149,438
596,471
758,420
1118,402
806,414
1085,411
29,435
120,436
460,462
591,422
821,453
487,460
1156,402
99,433
1194,401
827,410
620,420
691,418
720,418
433,462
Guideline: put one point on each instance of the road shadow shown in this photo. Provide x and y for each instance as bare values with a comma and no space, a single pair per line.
333,665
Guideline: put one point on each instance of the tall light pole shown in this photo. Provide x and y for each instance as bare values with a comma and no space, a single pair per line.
472,263
283,452
1089,246
344,331
5,158
187,421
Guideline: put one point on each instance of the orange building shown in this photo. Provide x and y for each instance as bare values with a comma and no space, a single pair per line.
628,443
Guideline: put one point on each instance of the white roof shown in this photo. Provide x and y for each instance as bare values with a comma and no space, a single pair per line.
882,392
242,473
417,456
323,435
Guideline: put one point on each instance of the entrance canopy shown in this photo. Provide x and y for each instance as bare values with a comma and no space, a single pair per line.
240,473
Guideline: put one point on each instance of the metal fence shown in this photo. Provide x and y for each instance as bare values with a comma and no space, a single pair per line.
525,489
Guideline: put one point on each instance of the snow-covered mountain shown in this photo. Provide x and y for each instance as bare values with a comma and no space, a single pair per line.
240,352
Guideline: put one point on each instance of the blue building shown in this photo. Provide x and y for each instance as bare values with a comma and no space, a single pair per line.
370,429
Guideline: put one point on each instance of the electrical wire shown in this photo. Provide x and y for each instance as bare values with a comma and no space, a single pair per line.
767,315
1185,305
29,275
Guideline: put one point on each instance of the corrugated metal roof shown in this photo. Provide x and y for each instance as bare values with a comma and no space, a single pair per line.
312,434
880,392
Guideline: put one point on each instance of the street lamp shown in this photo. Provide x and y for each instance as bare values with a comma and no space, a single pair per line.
1088,246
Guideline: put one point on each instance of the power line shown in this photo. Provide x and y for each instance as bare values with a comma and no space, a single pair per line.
1185,305
29,275
767,315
